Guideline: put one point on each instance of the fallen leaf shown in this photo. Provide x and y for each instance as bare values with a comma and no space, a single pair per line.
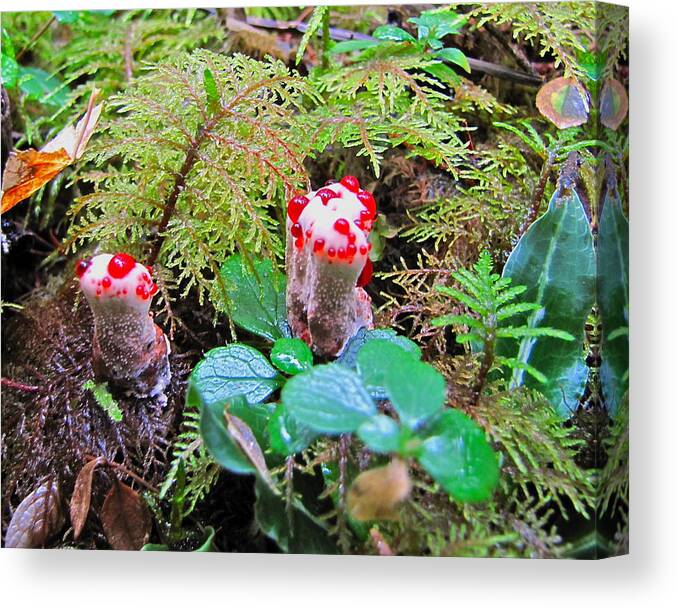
614,104
376,493
243,435
29,170
564,102
126,521
37,518
82,495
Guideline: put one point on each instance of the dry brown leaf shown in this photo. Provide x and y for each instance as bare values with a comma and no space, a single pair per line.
29,170
564,102
125,519
614,104
242,434
376,493
82,495
37,518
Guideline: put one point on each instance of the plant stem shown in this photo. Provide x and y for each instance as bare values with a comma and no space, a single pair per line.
486,364
326,40
344,445
19,386
538,195
35,37
171,203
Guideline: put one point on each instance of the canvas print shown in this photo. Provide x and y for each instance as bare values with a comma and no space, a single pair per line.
317,279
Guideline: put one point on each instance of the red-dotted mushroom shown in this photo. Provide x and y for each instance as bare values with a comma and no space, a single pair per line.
129,350
328,265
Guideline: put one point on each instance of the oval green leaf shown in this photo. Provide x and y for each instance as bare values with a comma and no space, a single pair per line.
459,457
229,371
291,355
329,399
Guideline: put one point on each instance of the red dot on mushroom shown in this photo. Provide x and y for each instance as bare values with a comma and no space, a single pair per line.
326,194
82,266
342,226
351,182
120,265
368,201
365,274
319,245
296,230
296,206
106,282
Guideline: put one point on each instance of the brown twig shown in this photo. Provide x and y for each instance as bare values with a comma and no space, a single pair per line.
19,386
35,37
538,194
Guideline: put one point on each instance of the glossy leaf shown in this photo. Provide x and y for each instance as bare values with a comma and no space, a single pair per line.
42,87
229,371
219,441
10,68
442,72
613,298
125,519
614,104
393,33
459,457
256,297
439,23
37,518
456,57
416,389
349,355
556,261
329,399
244,437
380,434
564,102
347,46
307,534
291,355
287,435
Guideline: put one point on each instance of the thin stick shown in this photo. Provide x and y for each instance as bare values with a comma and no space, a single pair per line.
37,35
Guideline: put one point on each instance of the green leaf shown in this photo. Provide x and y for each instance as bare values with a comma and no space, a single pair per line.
456,57
328,398
256,297
229,371
439,23
349,355
380,434
306,535
393,33
211,91
442,72
416,390
347,46
208,544
291,355
40,86
555,260
592,63
312,28
103,397
459,457
10,68
219,441
287,435
69,17
613,297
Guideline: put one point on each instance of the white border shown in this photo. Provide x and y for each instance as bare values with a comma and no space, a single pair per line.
647,578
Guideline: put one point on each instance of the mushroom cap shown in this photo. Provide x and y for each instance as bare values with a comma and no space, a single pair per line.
117,281
335,223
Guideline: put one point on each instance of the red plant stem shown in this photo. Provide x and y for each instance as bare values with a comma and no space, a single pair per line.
122,469
20,386
538,195
170,205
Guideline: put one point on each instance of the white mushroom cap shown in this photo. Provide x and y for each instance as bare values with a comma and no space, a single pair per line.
108,279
